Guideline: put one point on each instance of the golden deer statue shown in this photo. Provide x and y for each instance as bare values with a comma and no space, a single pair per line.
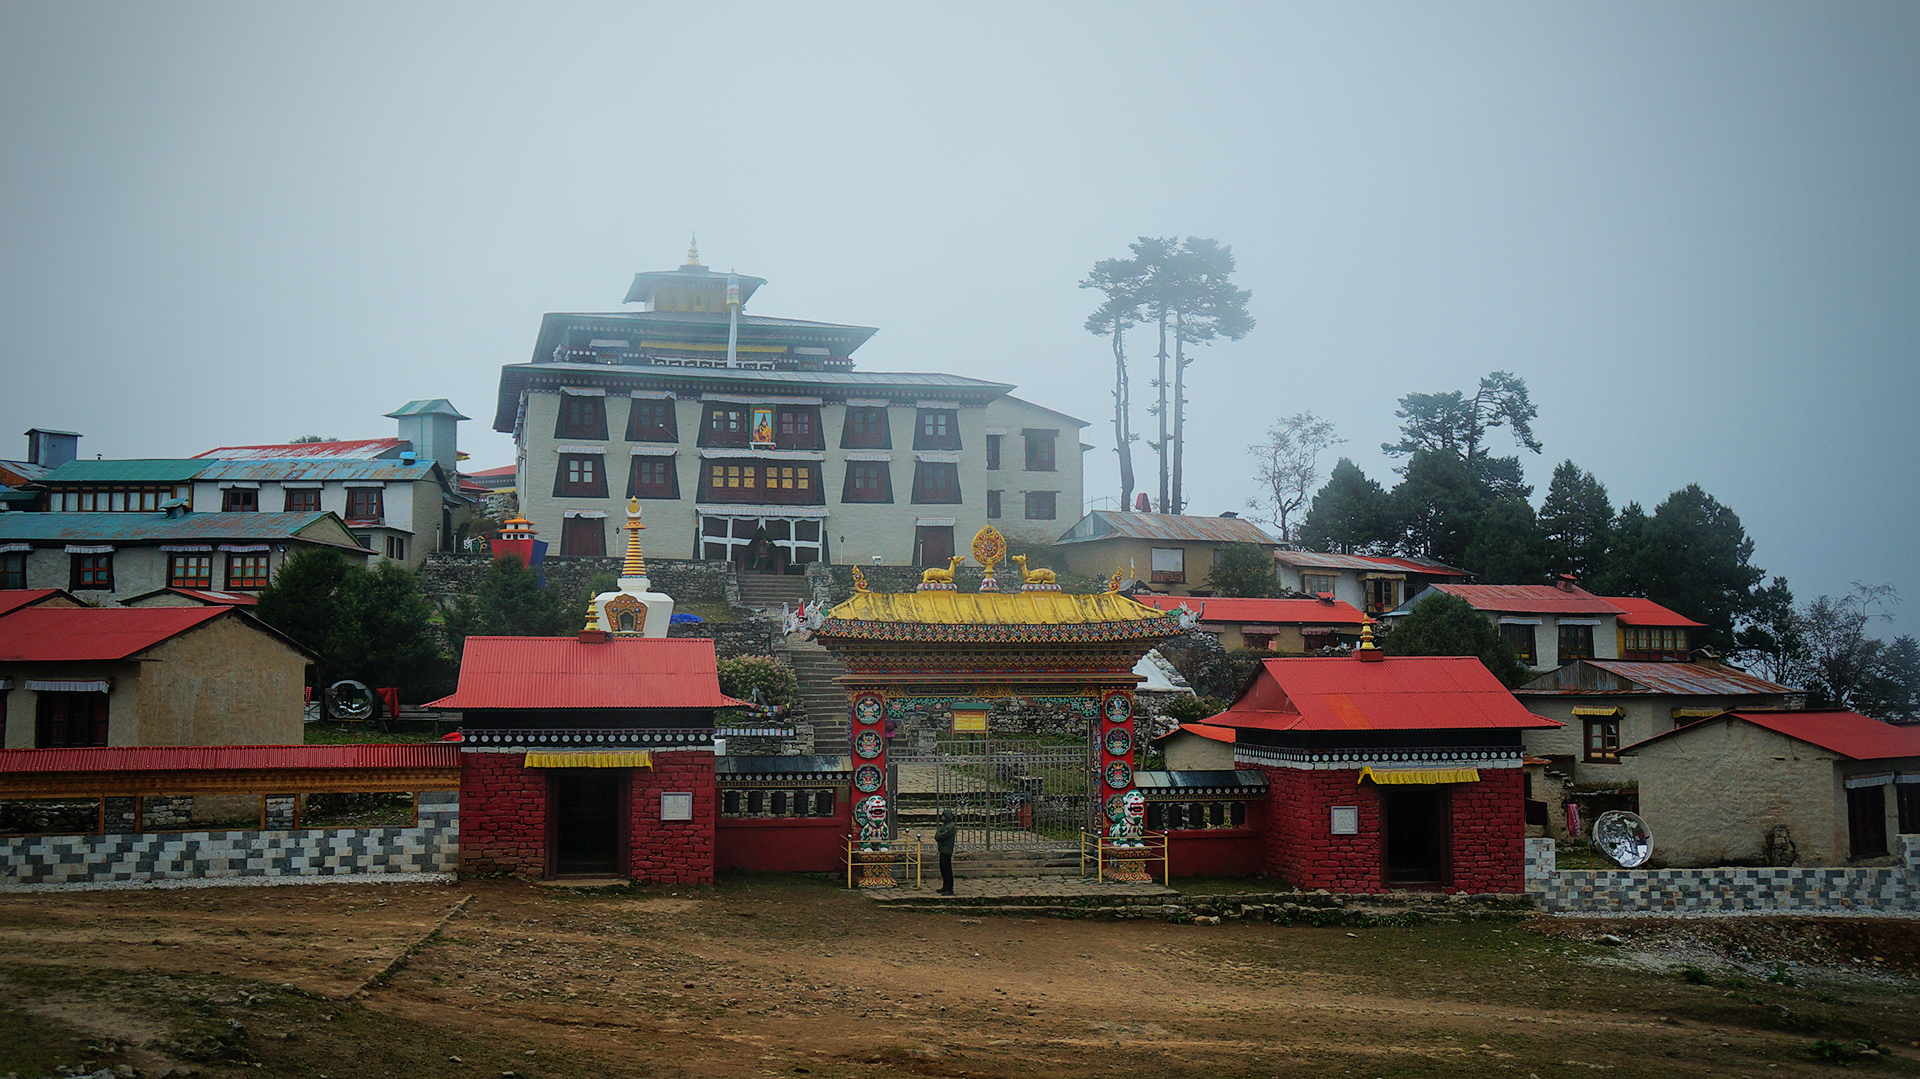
1033,576
936,575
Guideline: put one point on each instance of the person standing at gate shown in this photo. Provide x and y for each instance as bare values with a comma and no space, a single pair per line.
943,838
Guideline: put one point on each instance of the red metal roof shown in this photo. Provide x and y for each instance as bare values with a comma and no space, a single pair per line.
1651,676
363,449
67,634
1645,612
1393,693
12,599
212,758
1204,730
1529,599
1232,609
1849,734
230,599
564,672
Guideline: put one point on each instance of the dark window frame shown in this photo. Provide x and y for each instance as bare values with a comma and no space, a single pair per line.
993,453
1867,821
868,483
724,425
662,481
664,427
92,573
936,483
936,429
245,568
1051,507
580,475
1042,450
239,500
1582,638
1600,739
1511,630
773,483
201,579
866,428
797,427
993,505
358,500
581,416
303,500
13,569
56,716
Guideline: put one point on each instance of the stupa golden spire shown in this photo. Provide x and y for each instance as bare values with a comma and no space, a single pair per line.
636,564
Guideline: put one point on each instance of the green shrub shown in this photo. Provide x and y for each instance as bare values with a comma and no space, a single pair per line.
740,676
1194,709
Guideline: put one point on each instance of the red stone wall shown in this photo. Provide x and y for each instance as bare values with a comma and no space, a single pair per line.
503,818
673,851
787,845
503,815
1490,833
1488,830
1215,852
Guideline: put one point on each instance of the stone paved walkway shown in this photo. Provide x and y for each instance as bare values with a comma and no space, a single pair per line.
1005,888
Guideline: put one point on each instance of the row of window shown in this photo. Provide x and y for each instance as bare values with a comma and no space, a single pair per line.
790,427
1655,642
1576,642
583,475
94,572
113,499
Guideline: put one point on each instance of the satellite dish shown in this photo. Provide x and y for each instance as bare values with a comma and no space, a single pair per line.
1623,837
349,701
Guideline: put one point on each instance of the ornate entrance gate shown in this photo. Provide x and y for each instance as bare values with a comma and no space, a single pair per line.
1005,795
937,657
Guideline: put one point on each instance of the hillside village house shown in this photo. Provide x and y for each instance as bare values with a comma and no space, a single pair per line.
1550,625
1269,625
171,676
1610,703
1172,553
1779,788
1375,584
111,557
752,439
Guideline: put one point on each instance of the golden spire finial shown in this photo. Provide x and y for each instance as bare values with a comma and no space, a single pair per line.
636,565
1366,638
693,250
593,617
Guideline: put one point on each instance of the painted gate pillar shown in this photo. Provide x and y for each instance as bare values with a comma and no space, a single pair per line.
869,745
1123,807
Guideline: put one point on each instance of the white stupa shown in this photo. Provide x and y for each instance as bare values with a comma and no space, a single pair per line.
635,610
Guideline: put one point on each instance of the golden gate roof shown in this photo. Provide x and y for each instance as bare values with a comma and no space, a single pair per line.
938,615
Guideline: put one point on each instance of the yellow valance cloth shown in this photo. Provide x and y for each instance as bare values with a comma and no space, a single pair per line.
1420,775
1613,711
638,758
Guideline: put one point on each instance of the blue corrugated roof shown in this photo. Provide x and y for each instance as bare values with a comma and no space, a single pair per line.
154,528
142,470
439,406
323,469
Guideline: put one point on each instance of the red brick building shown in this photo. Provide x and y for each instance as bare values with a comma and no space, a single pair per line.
1386,773
588,756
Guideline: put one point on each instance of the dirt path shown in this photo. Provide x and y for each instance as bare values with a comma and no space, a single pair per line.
784,976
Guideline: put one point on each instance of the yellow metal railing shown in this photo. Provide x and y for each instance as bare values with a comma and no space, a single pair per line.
876,868
1117,861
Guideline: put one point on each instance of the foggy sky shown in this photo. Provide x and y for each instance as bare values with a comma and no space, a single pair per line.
1691,228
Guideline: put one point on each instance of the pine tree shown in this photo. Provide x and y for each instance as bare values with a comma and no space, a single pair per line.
1576,523
1350,514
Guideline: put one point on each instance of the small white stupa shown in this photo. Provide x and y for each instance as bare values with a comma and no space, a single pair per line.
635,610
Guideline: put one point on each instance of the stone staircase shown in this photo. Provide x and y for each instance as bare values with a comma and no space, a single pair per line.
767,591
822,698
976,864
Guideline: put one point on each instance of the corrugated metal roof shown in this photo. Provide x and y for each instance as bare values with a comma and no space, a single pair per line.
1156,779
438,406
1849,734
1524,599
144,470
356,449
437,755
1231,609
991,608
12,599
564,672
318,469
1592,677
1393,693
735,765
1366,563
1645,612
25,469
71,634
155,528
1111,524
1204,730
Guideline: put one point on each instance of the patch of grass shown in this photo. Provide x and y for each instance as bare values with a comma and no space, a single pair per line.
348,734
1694,976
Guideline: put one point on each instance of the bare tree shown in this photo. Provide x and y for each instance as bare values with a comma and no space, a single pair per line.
1287,465
1118,280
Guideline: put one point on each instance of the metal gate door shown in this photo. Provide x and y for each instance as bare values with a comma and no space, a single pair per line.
1005,795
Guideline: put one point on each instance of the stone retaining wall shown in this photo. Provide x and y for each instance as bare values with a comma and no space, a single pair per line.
432,845
449,574
1734,889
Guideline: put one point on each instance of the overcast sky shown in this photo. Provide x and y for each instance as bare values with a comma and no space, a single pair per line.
1692,229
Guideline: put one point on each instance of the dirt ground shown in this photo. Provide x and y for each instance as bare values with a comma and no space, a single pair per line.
786,976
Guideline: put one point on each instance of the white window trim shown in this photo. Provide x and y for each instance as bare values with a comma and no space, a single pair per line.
937,404
867,402
245,548
17,548
752,512
865,456
713,453
652,451
239,485
584,513
584,391
600,451
938,458
651,395
1581,621
302,485
1506,621
98,548
934,522
100,685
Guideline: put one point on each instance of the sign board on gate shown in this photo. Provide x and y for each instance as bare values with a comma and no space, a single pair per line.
969,721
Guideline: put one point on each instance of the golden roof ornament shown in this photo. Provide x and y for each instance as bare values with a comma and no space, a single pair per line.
593,617
859,580
693,250
989,549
